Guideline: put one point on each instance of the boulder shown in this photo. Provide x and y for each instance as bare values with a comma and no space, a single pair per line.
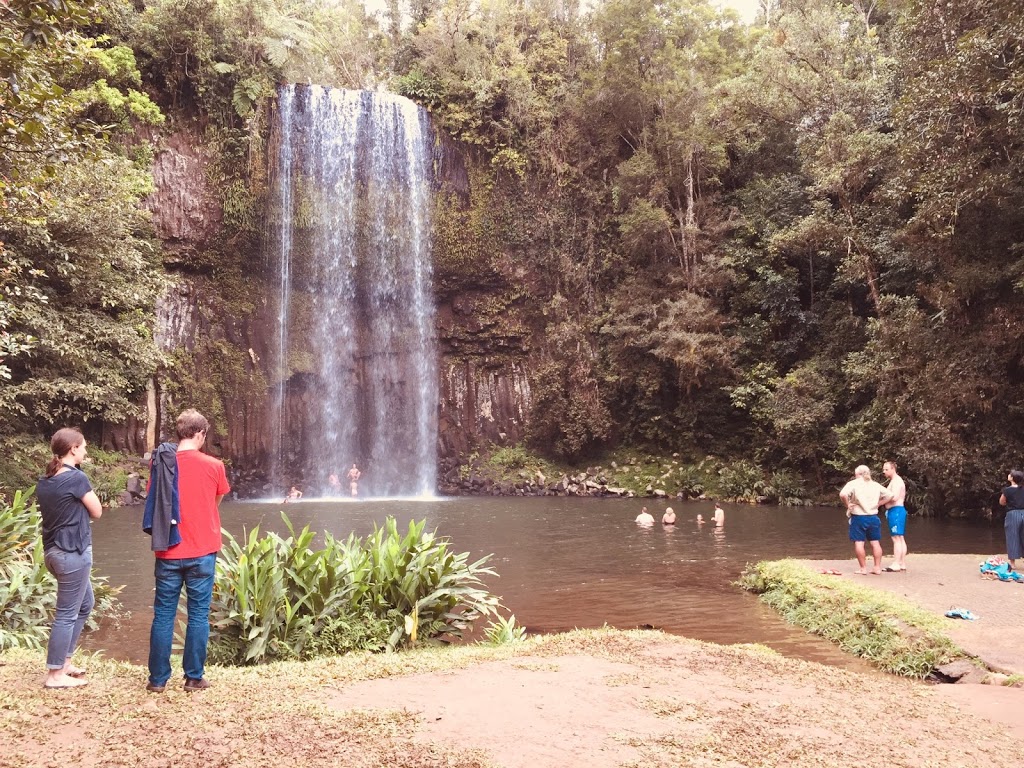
961,671
660,494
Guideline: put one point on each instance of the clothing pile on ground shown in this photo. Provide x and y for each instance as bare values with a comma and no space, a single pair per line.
998,568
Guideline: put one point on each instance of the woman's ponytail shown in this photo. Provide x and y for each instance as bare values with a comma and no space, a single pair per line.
61,444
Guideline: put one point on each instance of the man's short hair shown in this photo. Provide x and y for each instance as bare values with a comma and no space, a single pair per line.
1018,476
891,463
863,471
190,423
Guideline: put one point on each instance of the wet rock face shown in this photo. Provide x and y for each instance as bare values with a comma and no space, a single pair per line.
224,351
482,402
186,214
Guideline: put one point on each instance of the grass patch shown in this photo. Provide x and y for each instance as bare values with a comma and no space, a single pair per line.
1014,681
892,633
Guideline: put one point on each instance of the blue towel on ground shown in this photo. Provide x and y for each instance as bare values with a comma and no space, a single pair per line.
1002,572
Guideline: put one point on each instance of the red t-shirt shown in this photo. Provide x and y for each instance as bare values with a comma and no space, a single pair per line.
201,479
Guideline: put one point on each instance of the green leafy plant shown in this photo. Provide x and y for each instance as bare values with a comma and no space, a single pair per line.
741,480
277,598
28,592
504,631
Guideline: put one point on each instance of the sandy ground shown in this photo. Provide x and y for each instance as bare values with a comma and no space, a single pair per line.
595,699
940,582
696,710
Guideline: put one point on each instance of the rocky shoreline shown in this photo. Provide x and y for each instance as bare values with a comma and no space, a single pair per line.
475,479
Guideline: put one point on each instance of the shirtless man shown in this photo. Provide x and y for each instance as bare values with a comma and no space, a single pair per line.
896,517
353,479
719,516
862,495
645,518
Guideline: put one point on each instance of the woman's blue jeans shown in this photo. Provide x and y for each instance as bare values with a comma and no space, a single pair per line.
196,575
74,602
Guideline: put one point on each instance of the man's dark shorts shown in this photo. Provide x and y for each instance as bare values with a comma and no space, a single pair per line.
865,528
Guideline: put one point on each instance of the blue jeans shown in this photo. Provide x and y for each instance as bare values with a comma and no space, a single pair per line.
74,602
196,574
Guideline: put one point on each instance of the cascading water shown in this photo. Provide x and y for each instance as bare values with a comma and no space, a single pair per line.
356,373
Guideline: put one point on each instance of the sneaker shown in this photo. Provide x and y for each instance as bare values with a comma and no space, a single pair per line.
155,688
196,685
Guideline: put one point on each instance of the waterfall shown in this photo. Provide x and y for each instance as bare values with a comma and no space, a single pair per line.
356,374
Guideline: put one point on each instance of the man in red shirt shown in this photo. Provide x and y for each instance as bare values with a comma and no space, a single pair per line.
192,561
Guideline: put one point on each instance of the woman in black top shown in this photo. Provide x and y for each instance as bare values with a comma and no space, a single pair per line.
66,504
1013,500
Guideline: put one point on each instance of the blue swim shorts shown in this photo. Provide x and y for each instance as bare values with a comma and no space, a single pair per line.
896,519
865,528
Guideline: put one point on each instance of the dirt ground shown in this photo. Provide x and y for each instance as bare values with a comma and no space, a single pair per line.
940,582
596,699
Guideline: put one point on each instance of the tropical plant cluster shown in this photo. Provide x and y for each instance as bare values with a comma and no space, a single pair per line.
278,598
794,244
28,592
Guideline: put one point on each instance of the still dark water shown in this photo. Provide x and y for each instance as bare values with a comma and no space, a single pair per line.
566,562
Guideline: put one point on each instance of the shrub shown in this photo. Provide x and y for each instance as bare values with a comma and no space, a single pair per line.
515,457
276,598
28,592
741,481
504,631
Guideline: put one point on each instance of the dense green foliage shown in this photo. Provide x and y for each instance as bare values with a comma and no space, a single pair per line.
277,598
888,631
78,267
800,244
28,592
794,245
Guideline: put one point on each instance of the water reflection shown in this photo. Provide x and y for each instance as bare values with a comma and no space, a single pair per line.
567,563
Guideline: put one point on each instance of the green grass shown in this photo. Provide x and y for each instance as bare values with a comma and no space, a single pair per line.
890,632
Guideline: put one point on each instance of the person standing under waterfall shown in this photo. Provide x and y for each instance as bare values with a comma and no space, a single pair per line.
353,479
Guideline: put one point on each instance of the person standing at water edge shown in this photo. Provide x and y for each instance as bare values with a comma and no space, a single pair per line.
186,540
1013,499
67,502
353,479
896,517
862,495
